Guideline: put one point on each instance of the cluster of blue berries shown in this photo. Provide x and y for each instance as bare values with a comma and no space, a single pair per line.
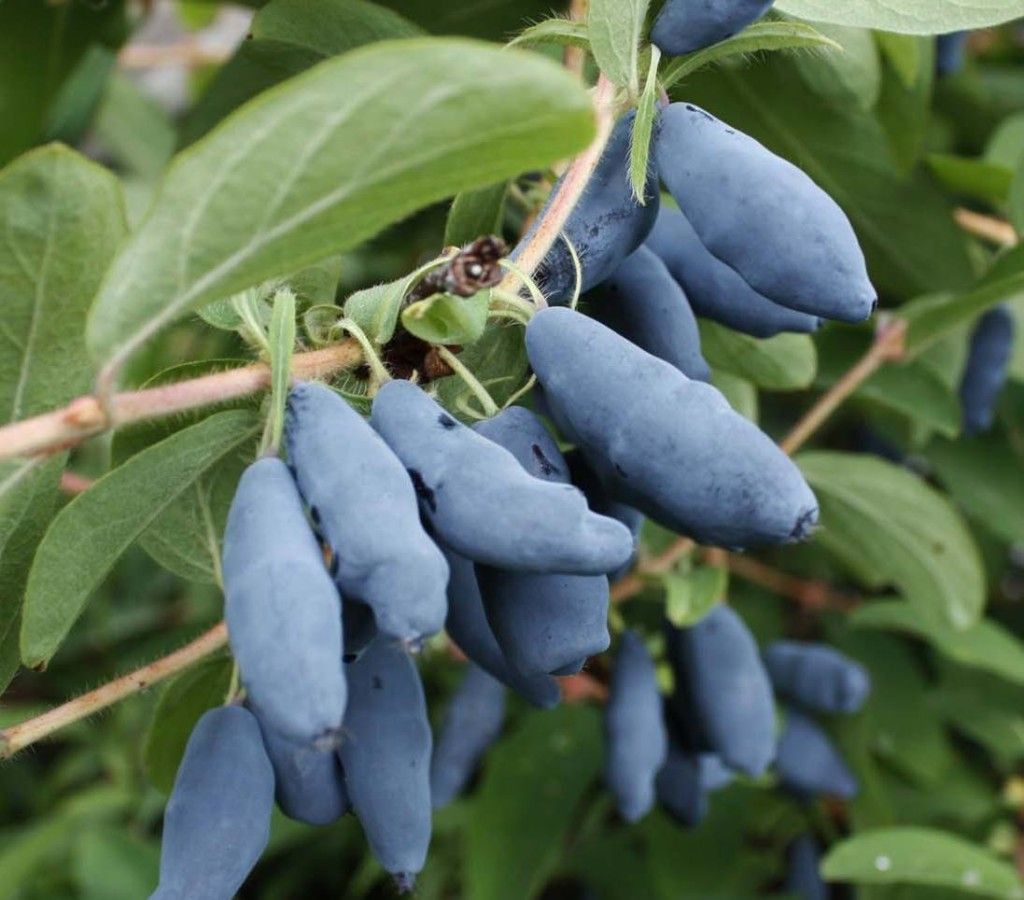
378,534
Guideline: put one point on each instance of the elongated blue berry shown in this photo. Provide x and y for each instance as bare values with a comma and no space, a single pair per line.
217,821
473,722
803,870
726,688
606,225
763,217
364,503
671,447
715,290
816,677
679,789
643,303
808,763
986,370
543,621
636,740
283,611
467,625
683,26
481,502
309,783
386,757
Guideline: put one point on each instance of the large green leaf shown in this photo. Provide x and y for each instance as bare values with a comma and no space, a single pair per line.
894,528
91,532
851,77
61,218
985,645
907,16
326,160
786,362
614,27
904,223
531,791
921,856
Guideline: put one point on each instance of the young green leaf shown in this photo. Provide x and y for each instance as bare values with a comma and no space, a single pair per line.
922,856
907,16
891,527
282,346
447,319
977,178
689,596
318,164
771,35
643,124
786,362
91,532
615,28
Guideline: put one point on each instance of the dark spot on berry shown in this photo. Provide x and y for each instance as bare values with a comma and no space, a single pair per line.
621,472
377,684
546,466
422,491
314,514
446,421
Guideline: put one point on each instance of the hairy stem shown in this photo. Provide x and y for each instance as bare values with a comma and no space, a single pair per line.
17,737
85,416
570,187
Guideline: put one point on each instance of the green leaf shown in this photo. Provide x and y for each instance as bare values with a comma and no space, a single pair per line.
974,178
983,474
786,362
475,214
282,346
288,37
985,709
922,856
910,389
180,706
447,319
111,864
904,105
643,125
689,596
558,31
376,309
741,394
1015,198
985,645
91,532
62,218
532,787
318,165
185,538
771,35
853,77
903,53
891,527
906,16
133,128
899,726
498,360
615,27
931,318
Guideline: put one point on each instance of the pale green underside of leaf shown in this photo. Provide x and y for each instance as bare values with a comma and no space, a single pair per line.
562,32
327,159
921,856
891,527
907,16
91,532
614,28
